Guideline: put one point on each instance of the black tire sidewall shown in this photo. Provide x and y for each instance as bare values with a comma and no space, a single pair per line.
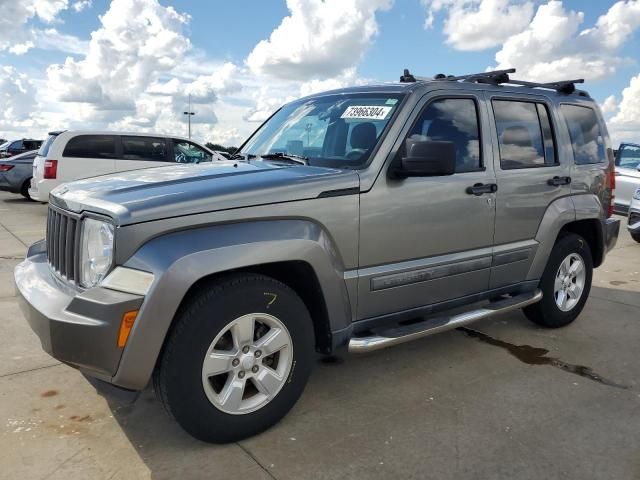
547,312
199,324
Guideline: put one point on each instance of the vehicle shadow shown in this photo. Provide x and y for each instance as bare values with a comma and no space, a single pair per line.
347,390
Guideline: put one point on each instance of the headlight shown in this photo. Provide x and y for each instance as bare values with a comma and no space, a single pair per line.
96,255
636,194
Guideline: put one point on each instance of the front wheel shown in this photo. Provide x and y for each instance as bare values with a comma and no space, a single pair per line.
565,283
636,237
237,359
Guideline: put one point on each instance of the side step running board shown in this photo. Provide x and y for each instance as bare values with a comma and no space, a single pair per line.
406,333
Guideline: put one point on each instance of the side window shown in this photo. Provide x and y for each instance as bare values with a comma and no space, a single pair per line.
452,120
187,152
584,130
91,146
144,148
17,145
525,136
629,157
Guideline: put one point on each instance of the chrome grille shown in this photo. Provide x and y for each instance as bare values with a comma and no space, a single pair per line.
63,236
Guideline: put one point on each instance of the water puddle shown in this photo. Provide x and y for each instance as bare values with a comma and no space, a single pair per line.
538,356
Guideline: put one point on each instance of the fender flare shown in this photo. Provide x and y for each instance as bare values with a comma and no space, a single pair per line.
179,259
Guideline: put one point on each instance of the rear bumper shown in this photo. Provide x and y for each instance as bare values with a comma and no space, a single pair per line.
610,230
79,328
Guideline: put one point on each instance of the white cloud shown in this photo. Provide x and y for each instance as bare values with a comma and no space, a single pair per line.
553,46
625,124
609,105
15,16
81,5
17,97
21,48
52,39
320,38
479,24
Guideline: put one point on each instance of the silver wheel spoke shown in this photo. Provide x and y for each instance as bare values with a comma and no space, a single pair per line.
242,331
576,268
562,298
557,285
573,291
216,363
267,381
274,340
231,394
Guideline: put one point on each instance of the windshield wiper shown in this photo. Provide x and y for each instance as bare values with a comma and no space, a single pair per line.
297,159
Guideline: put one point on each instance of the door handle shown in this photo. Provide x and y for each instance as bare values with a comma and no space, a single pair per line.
480,188
557,181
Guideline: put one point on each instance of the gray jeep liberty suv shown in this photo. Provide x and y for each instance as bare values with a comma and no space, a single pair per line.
357,218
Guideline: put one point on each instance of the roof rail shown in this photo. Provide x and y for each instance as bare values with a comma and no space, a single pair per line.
498,77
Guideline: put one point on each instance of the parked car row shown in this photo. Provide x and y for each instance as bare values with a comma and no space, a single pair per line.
17,147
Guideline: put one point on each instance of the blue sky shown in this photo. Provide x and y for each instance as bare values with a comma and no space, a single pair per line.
242,59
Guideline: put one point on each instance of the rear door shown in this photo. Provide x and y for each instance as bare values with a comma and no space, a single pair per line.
530,176
143,152
87,156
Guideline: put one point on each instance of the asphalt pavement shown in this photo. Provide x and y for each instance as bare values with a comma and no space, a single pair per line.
503,399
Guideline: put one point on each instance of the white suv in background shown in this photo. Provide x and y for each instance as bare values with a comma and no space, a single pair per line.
72,155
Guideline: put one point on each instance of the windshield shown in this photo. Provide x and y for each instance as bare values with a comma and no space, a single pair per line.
338,131
629,156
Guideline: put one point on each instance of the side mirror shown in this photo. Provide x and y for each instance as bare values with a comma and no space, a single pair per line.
427,159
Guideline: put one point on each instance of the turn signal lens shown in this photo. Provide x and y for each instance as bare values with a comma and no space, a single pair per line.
126,324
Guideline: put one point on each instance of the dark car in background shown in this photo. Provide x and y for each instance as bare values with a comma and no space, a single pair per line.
15,173
16,147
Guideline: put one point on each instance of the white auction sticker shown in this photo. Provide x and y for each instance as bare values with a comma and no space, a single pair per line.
364,111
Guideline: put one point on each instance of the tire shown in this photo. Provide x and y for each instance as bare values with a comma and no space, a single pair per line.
24,190
636,237
189,395
547,312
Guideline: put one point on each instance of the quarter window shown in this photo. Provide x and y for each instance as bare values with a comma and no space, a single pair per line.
525,136
144,148
91,146
629,156
584,130
452,120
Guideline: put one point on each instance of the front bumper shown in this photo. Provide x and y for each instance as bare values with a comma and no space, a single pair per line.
77,327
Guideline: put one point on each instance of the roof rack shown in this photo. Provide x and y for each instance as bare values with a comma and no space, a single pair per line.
498,77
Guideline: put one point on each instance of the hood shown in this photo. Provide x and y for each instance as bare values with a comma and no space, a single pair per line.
162,192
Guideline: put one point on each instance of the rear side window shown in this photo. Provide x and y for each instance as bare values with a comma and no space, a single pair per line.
44,148
144,148
91,146
584,130
525,136
452,120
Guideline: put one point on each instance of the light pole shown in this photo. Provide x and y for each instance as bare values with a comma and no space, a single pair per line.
189,114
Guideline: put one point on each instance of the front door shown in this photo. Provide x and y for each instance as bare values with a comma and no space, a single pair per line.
425,240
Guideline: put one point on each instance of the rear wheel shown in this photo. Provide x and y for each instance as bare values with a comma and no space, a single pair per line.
636,237
24,190
238,358
565,283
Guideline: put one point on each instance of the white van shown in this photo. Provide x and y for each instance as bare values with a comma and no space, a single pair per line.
72,155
